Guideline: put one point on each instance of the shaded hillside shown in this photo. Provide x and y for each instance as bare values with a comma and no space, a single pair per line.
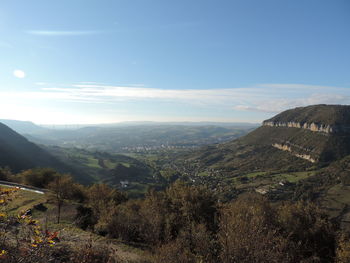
17,153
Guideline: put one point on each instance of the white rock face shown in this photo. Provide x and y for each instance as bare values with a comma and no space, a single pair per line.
285,147
309,126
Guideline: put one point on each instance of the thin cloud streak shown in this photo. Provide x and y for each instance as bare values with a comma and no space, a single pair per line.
137,93
292,86
271,92
54,33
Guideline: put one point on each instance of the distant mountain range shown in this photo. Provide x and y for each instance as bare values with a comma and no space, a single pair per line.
30,128
138,137
149,123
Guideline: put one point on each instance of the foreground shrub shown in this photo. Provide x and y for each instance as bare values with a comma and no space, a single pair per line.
251,230
248,232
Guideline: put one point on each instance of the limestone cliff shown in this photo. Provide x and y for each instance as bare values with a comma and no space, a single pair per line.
319,118
285,147
315,127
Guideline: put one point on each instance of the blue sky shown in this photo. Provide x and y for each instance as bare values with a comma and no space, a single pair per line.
99,61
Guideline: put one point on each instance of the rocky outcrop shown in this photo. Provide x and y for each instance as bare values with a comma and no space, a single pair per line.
328,129
317,133
285,147
318,118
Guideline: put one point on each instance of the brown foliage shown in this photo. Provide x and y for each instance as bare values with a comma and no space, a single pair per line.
248,233
102,197
251,230
308,230
343,250
38,177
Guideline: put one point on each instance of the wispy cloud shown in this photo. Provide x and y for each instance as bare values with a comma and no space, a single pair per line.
111,93
265,99
293,86
54,33
262,97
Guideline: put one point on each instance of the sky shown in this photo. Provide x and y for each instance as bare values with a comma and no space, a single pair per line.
105,61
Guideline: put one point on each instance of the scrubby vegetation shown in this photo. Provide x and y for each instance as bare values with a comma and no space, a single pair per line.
188,223
23,239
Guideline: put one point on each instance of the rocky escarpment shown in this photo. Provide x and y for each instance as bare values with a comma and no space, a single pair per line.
315,127
288,148
326,119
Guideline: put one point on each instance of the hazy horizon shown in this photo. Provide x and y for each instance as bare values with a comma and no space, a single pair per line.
135,123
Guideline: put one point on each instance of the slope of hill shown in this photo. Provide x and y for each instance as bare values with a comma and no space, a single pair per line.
17,153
